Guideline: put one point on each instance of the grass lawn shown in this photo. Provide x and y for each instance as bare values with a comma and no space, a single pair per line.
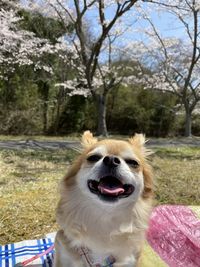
29,181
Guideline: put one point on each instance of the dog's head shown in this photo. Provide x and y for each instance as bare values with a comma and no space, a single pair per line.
112,171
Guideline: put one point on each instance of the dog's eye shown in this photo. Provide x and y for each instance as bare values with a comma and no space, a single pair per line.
94,158
132,162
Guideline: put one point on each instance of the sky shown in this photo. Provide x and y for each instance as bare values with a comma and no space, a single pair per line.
168,26
166,23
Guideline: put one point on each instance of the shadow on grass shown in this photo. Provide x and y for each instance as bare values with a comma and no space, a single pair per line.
55,156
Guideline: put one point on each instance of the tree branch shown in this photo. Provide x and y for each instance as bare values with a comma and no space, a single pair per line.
193,59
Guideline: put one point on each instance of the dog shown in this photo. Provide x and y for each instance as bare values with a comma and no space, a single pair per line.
105,204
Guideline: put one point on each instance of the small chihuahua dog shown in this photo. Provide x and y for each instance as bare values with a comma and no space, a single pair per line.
105,204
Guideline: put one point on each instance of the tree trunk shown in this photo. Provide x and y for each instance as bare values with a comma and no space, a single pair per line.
59,101
188,122
101,105
45,119
43,88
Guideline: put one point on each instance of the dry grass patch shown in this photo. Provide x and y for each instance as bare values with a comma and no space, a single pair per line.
28,192
177,172
29,181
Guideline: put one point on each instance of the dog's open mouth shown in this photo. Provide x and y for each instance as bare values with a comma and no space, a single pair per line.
110,188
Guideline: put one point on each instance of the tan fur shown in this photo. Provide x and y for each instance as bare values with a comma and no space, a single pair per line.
88,139
117,230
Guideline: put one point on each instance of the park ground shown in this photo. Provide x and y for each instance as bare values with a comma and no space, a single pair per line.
29,181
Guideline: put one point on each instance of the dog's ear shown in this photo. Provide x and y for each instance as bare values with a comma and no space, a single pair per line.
88,139
148,181
138,140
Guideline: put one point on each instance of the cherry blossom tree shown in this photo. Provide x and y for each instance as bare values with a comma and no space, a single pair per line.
106,77
41,50
96,24
20,47
174,62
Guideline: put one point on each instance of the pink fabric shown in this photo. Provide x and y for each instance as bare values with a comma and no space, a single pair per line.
174,233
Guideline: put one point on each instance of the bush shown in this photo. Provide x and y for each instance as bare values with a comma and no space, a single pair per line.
196,124
138,110
19,122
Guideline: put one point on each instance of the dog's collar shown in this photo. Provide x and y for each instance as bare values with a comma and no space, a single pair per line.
90,260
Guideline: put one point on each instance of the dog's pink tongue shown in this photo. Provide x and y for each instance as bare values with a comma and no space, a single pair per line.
110,190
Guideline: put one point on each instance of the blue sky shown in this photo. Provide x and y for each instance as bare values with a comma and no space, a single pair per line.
168,26
165,22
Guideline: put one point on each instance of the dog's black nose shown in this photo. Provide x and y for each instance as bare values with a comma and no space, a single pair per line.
111,161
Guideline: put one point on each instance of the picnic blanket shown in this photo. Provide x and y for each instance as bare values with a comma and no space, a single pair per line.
173,239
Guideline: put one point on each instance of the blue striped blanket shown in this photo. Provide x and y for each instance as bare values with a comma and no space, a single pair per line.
12,254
